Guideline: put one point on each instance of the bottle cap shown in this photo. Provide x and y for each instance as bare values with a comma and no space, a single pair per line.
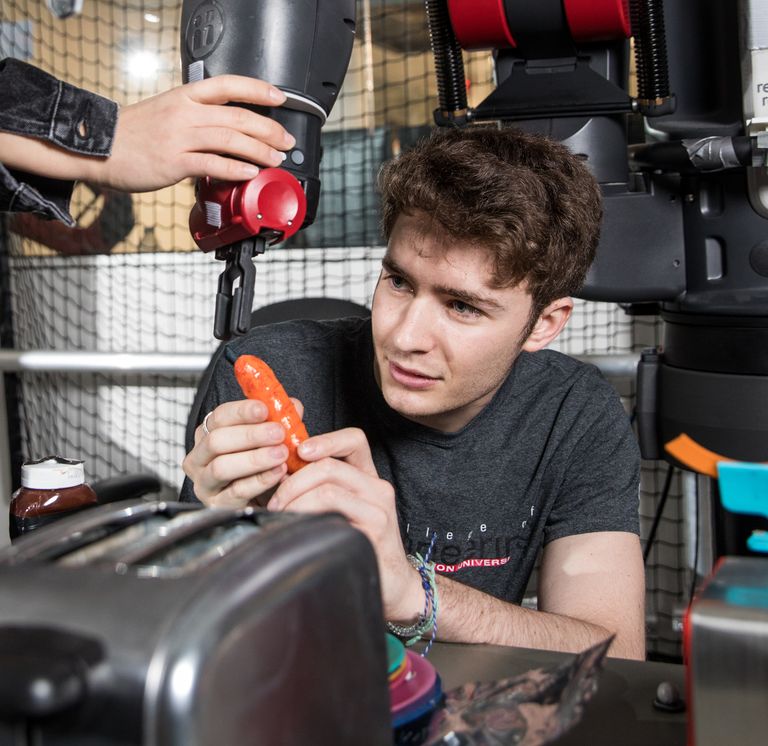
52,472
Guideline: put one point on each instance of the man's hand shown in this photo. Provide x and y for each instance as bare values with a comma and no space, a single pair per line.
241,457
184,132
342,478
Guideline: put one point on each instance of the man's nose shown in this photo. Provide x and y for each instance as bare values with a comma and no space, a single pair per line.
416,326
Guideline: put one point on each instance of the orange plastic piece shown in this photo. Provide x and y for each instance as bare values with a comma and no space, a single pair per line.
258,381
697,458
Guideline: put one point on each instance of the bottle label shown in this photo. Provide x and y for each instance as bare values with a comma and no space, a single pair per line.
18,526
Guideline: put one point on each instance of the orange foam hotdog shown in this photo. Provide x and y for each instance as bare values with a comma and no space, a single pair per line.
258,381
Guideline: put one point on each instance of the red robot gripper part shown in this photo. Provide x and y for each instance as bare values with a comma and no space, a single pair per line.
485,24
225,212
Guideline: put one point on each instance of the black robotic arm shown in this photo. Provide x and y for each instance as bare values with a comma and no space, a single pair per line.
685,231
302,47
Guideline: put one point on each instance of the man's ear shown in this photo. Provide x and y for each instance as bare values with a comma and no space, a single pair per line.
549,324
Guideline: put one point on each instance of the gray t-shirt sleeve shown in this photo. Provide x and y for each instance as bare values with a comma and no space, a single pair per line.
601,483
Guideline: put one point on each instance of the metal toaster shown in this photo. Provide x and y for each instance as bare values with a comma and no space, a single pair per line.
164,623
726,641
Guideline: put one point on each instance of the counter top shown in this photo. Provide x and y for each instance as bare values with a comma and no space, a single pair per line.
620,712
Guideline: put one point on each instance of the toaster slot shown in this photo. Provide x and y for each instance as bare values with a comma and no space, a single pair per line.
197,552
129,544
165,545
114,543
89,527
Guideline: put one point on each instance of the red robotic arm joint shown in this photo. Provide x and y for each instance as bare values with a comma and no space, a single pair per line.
272,203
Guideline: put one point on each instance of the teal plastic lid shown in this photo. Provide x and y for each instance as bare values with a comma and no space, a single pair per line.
395,653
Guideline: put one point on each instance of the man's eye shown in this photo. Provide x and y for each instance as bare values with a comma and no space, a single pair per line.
397,282
464,309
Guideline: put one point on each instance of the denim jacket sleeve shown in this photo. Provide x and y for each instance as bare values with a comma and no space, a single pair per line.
36,104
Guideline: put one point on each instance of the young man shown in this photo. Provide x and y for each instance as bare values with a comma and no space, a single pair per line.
444,416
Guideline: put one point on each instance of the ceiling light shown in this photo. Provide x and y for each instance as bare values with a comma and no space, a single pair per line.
143,64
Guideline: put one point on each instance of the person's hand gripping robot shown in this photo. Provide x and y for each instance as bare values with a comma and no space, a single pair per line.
303,48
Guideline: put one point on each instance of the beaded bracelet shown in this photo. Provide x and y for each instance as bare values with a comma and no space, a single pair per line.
428,619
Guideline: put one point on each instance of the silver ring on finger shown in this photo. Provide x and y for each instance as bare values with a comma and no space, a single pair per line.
206,431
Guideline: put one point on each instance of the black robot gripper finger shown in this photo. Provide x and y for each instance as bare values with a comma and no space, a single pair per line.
234,297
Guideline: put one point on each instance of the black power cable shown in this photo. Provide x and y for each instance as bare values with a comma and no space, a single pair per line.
695,545
658,514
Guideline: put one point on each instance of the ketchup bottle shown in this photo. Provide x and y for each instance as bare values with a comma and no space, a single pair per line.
51,488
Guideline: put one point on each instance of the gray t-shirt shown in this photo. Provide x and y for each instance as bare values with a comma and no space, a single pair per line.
552,455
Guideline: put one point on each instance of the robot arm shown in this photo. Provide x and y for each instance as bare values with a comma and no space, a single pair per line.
302,47
685,226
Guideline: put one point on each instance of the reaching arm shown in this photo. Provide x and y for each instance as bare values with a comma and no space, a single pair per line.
590,586
186,131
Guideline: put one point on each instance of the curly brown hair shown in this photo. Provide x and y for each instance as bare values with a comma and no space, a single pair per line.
524,197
